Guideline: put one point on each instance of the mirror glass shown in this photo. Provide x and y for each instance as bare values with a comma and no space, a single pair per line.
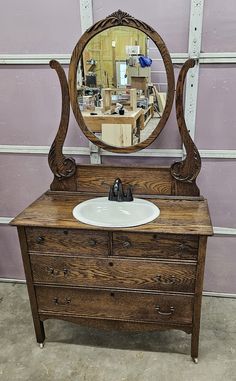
121,86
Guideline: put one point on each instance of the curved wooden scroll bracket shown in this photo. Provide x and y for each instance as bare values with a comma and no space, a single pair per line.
186,171
61,166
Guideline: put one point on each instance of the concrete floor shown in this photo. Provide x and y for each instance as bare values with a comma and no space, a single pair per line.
83,354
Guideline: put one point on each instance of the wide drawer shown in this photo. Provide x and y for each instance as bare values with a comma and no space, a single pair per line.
171,246
118,273
104,304
68,241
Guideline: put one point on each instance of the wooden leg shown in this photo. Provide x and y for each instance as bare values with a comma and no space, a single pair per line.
38,324
198,299
195,344
39,330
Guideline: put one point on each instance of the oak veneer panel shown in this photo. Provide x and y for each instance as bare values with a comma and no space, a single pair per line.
68,241
151,181
118,273
177,216
134,306
155,245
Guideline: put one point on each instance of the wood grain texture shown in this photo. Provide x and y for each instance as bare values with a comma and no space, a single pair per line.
198,297
38,324
117,325
177,216
61,166
67,241
148,180
115,273
186,171
155,246
120,18
118,305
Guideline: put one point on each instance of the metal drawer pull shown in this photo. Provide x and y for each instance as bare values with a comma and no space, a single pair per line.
127,244
54,272
40,239
165,280
92,242
182,246
61,303
158,309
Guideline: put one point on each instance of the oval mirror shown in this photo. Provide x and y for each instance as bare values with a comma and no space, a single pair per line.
121,84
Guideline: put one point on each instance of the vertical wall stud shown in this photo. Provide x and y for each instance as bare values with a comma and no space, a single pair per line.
194,49
86,15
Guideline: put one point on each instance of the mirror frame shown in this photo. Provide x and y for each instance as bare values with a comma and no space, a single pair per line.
120,18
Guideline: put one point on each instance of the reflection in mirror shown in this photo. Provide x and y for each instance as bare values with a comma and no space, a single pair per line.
121,86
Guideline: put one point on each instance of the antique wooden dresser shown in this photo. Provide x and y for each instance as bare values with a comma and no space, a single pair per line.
148,277
142,278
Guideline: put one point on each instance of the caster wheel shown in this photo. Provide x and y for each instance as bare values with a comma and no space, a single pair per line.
195,360
41,345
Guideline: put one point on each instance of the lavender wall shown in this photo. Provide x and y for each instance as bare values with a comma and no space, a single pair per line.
10,259
165,16
30,101
220,265
30,26
215,124
219,26
218,185
30,111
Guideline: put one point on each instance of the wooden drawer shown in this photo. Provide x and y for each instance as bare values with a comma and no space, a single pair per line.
118,273
171,246
105,304
68,241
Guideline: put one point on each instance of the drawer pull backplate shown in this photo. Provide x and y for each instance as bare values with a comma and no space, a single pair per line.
165,280
61,303
171,312
55,272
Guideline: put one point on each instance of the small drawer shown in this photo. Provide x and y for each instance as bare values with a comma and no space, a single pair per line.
171,246
117,273
116,305
67,241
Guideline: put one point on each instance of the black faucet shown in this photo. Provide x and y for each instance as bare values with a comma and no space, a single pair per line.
116,192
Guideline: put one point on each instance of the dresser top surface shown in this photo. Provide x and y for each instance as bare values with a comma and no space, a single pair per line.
178,216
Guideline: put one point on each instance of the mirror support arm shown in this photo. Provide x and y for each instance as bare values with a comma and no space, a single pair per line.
186,171
61,166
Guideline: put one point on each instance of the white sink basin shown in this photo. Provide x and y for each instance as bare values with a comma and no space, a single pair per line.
102,212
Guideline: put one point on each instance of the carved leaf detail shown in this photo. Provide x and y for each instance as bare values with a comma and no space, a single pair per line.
60,165
119,18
